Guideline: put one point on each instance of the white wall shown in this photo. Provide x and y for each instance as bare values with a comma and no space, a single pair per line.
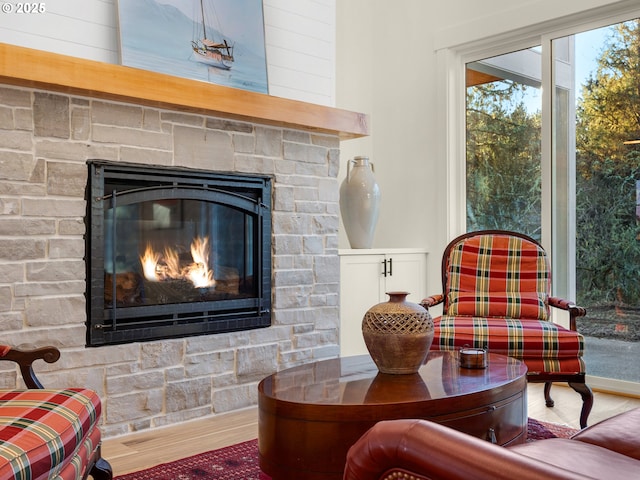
299,38
471,20
81,28
386,66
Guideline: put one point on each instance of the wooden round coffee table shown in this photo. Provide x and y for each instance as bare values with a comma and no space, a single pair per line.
310,415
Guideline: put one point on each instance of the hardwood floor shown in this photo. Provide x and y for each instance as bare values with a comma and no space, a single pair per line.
145,449
141,450
568,405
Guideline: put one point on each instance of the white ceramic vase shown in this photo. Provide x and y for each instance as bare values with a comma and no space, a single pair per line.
360,202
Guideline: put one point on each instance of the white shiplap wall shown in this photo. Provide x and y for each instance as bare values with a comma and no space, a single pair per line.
80,28
299,37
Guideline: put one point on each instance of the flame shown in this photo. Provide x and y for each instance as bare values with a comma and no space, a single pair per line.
198,272
157,267
172,261
149,262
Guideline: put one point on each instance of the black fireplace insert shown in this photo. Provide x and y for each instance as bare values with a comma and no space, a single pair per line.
175,252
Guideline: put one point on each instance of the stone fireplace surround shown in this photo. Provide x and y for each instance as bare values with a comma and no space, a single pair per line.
46,139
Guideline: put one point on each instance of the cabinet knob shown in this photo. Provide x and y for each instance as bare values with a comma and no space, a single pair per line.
491,436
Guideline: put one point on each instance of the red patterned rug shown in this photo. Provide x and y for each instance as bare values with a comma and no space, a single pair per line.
235,462
537,430
241,461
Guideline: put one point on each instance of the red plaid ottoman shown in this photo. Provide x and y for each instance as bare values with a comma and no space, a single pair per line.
48,434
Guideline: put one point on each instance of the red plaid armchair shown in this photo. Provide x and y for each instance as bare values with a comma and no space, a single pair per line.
496,295
48,434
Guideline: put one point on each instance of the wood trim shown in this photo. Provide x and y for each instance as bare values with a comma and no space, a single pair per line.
474,77
61,73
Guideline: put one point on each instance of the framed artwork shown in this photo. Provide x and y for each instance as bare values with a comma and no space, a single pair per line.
217,41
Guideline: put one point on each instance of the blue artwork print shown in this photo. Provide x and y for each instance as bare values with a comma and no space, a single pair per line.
217,41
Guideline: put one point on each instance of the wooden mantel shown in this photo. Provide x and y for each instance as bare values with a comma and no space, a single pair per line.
49,71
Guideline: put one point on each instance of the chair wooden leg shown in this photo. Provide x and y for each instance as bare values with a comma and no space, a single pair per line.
547,394
587,401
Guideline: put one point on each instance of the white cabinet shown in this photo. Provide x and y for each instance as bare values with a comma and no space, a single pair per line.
365,277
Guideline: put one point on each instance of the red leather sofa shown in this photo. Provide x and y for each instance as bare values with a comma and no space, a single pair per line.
421,450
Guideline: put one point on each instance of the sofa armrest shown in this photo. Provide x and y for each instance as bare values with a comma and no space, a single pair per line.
431,451
618,433
25,359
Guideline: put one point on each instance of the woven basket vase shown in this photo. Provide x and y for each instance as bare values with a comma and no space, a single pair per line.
398,334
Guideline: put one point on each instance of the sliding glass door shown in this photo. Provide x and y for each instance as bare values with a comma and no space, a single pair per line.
606,168
585,190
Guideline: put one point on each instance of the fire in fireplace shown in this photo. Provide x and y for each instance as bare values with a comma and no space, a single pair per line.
173,253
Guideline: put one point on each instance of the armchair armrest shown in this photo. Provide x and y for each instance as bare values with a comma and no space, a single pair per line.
428,451
574,310
25,359
432,301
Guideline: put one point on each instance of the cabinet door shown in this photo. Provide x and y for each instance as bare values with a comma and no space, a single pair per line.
408,273
361,287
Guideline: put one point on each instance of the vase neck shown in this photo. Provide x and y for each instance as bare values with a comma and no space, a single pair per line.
397,297
361,161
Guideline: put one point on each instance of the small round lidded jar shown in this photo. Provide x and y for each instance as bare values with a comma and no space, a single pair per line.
473,357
